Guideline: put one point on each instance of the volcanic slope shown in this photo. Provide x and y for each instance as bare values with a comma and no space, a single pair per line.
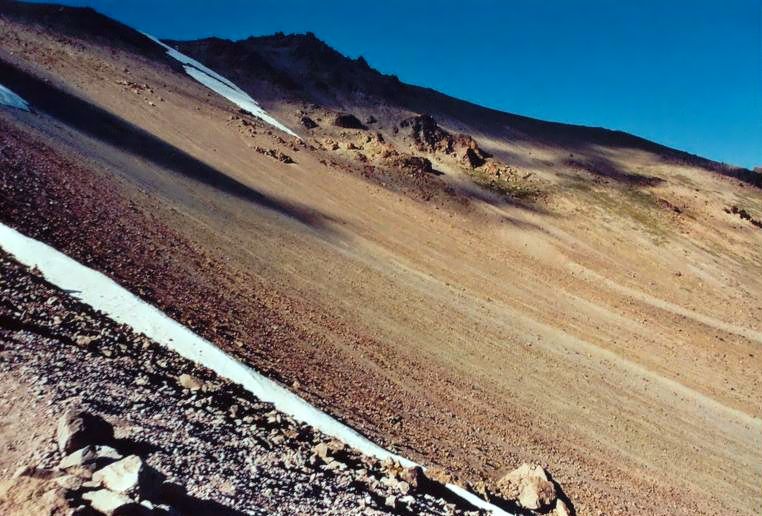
470,288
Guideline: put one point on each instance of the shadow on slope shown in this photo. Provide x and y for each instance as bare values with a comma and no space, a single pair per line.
113,130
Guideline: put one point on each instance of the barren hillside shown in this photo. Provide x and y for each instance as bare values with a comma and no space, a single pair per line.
470,288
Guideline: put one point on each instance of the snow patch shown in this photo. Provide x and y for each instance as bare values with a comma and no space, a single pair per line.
9,98
101,293
221,86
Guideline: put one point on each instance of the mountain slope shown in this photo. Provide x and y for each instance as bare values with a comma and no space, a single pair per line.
591,307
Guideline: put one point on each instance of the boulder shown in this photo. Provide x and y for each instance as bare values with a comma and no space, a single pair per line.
414,476
113,504
308,123
77,428
90,455
121,476
348,121
529,485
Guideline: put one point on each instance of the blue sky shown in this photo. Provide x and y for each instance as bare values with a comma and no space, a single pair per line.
683,73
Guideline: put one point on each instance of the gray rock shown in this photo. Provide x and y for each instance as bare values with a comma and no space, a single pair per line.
90,455
121,476
77,429
69,482
111,503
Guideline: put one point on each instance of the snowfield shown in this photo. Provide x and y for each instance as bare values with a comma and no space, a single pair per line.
101,293
221,86
8,98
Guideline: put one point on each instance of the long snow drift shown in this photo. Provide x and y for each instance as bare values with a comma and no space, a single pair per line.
101,293
9,98
221,86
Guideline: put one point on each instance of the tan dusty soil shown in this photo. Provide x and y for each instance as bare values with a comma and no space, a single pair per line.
597,332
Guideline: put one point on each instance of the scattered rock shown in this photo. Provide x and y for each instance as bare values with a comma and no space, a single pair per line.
414,476
275,154
85,341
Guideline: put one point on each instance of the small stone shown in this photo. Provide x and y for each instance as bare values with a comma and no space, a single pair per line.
321,450
336,465
85,341
190,382
391,501
414,476
404,487
69,482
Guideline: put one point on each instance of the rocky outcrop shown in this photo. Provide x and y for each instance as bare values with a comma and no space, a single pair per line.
429,137
744,215
411,164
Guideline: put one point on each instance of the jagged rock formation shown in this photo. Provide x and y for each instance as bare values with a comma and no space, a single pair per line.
429,137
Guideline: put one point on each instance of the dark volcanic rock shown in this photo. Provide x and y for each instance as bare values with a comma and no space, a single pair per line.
308,122
429,137
348,121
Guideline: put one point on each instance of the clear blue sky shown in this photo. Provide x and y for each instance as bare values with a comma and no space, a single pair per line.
684,73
